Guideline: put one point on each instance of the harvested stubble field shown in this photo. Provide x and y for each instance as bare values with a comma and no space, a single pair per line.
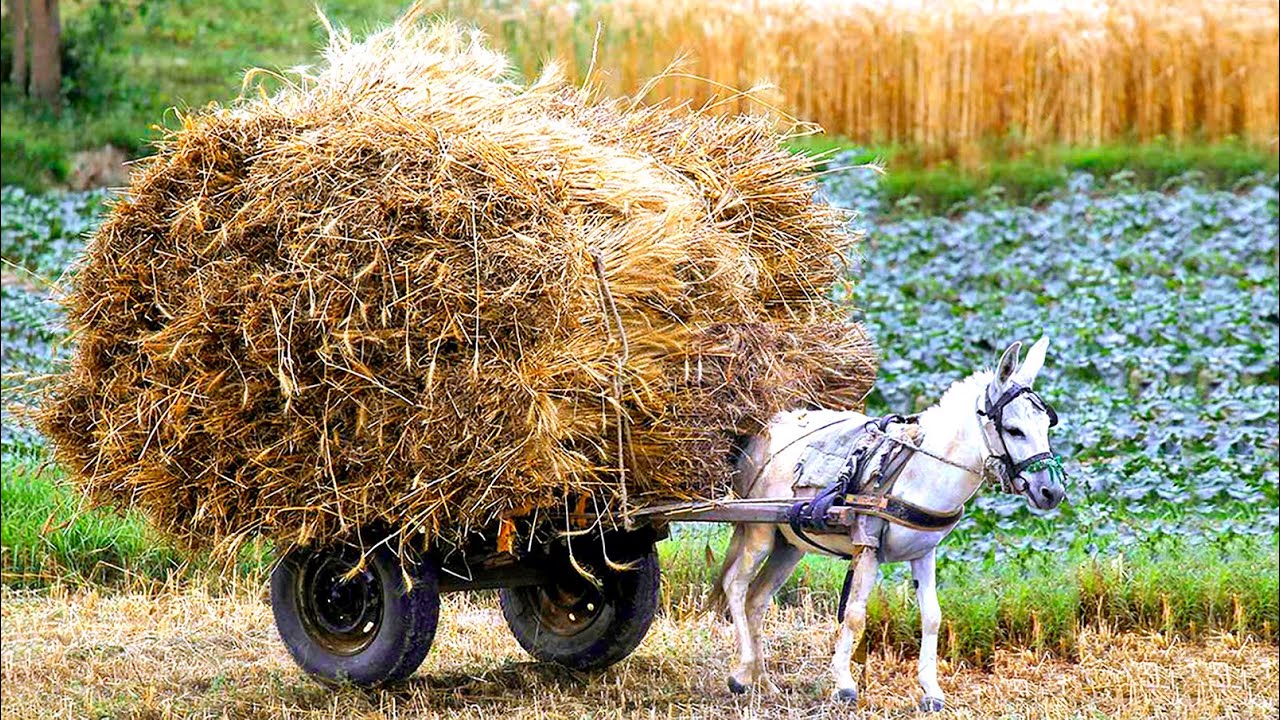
187,654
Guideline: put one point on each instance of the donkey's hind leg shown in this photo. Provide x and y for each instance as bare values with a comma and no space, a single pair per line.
754,542
777,568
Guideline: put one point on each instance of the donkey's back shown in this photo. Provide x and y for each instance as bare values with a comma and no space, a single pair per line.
767,468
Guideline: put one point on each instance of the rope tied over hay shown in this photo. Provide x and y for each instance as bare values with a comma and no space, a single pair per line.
621,424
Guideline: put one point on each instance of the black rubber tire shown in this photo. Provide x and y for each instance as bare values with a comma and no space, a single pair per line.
627,603
403,634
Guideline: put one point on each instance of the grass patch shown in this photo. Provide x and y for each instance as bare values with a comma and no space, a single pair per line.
47,537
1025,176
1222,163
32,158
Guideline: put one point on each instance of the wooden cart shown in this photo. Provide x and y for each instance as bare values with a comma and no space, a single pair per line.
581,600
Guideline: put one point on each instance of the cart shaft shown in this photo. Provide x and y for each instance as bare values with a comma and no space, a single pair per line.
740,511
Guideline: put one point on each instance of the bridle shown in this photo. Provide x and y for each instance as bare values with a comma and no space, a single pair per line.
993,412
996,465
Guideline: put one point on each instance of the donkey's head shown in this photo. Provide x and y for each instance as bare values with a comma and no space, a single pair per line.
1016,422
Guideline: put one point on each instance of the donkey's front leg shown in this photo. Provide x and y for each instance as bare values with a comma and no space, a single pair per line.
923,570
854,623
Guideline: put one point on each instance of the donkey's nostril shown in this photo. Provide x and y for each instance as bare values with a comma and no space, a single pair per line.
1050,496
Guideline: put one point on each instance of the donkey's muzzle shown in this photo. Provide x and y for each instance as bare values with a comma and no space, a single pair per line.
1044,491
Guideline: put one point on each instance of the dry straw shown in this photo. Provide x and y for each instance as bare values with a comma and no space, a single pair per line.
406,290
945,76
153,655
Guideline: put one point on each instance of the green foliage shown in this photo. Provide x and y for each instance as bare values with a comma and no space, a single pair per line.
92,41
938,187
1223,163
1027,177
31,160
93,50
45,535
44,232
6,48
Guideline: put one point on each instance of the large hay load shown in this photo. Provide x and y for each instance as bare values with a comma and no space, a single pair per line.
408,291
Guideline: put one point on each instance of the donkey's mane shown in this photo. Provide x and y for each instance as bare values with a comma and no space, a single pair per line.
960,390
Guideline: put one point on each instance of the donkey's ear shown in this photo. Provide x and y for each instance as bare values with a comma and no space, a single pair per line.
1027,371
1008,364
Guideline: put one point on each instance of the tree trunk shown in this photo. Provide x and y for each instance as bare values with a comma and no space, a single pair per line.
18,13
46,62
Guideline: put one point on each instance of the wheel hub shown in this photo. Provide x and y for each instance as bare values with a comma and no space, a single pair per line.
567,606
340,610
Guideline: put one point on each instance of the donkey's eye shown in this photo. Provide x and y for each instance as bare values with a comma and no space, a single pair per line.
1015,432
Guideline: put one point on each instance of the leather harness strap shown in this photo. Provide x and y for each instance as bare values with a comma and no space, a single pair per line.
858,486
901,512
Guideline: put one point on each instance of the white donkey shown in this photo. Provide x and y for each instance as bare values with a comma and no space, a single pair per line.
989,423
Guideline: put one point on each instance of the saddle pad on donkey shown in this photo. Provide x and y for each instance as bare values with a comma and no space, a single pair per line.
828,451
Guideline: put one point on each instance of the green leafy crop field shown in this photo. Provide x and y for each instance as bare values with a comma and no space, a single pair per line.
1162,312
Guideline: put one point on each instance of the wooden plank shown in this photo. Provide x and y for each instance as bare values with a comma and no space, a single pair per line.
720,513
773,511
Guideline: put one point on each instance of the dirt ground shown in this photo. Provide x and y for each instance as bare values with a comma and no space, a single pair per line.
80,654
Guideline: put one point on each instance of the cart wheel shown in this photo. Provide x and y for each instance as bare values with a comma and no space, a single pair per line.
365,630
571,622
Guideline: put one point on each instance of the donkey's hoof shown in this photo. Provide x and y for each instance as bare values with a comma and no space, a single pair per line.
849,695
736,687
931,704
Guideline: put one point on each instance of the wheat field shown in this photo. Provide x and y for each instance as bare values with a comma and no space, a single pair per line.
942,76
